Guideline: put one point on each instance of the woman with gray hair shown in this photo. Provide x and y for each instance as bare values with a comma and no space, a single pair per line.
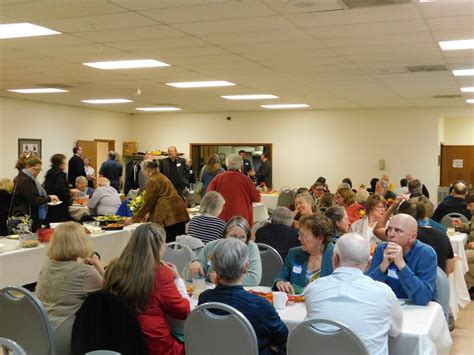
237,189
106,199
237,227
231,262
208,226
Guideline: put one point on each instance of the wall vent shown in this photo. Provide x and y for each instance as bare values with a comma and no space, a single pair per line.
426,68
454,96
352,4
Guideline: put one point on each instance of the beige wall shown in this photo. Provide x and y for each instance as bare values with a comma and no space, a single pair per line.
459,130
58,126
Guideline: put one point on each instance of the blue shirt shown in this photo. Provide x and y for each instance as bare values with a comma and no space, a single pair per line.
416,281
269,328
112,170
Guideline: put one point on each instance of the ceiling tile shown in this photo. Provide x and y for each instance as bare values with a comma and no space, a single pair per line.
294,7
158,43
161,4
256,37
451,23
453,8
131,34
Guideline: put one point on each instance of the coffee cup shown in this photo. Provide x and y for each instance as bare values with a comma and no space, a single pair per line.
451,231
280,299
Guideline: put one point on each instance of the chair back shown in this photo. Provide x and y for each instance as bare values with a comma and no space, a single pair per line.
106,322
285,198
9,346
194,243
102,352
272,263
447,222
216,328
442,285
25,321
329,337
179,255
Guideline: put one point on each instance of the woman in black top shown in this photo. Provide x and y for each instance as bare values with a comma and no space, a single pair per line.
6,187
56,183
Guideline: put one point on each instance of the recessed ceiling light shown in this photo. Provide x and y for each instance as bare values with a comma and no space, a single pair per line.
127,64
470,101
157,109
468,89
281,106
38,91
250,97
201,84
463,72
454,45
18,30
107,101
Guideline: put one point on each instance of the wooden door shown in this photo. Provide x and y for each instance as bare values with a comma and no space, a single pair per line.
457,163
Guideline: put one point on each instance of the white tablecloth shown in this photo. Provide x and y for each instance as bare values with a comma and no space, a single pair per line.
459,295
269,200
21,267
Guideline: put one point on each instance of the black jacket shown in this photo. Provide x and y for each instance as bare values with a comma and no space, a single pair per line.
55,183
264,174
278,236
75,169
181,167
5,200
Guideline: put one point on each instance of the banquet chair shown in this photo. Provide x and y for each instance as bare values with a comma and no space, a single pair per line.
285,197
329,337
446,220
226,331
25,321
271,264
102,352
179,255
442,285
9,346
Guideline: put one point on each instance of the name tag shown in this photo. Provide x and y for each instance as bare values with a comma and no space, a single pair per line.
297,269
178,165
392,273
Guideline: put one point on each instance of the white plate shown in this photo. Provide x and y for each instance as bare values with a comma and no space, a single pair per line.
13,236
9,245
55,203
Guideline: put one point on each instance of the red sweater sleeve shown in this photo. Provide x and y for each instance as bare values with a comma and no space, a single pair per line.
172,302
254,194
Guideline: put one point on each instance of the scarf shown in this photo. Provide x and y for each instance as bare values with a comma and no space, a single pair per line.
42,209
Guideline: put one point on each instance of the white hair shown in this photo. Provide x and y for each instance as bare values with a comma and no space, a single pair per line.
230,259
233,162
352,250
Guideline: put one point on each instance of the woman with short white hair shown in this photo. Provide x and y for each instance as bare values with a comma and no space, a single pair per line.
106,199
208,226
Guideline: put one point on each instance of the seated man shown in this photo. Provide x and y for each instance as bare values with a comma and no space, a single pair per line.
407,265
456,203
468,228
106,200
368,307
279,234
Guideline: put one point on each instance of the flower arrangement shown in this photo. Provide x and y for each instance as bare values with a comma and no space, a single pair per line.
137,202
362,213
20,225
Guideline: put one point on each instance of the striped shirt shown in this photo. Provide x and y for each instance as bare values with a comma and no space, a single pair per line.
206,228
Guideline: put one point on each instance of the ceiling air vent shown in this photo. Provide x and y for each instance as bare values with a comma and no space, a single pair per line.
426,68
352,4
55,85
455,96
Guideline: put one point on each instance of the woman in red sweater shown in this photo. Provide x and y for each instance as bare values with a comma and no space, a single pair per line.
150,286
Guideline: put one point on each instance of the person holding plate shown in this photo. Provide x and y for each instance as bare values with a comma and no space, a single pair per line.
56,183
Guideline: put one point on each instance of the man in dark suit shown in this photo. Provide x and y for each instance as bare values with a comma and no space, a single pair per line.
112,170
75,166
264,173
175,169
246,167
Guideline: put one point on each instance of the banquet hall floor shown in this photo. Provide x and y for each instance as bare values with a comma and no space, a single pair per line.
463,334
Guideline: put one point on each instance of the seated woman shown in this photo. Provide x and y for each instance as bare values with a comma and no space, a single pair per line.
304,204
65,281
231,261
326,201
345,197
82,190
236,227
106,199
340,222
313,259
150,287
374,210
6,187
208,226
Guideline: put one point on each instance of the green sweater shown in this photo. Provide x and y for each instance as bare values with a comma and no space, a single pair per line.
254,272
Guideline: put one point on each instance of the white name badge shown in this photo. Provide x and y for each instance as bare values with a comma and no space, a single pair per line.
297,269
392,273
178,165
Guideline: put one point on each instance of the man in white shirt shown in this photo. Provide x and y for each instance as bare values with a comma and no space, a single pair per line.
368,307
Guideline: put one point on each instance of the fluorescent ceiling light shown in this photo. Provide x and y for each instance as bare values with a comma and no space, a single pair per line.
280,106
157,109
454,45
468,89
38,91
201,84
107,101
470,101
17,30
127,64
250,97
463,72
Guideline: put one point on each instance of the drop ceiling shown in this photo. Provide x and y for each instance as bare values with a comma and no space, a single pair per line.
317,52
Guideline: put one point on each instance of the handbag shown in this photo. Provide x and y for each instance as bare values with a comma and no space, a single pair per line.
21,223
200,185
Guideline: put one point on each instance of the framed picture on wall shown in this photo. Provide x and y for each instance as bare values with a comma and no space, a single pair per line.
29,145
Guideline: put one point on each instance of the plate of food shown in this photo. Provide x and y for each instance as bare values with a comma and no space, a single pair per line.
29,243
55,203
113,227
110,219
13,236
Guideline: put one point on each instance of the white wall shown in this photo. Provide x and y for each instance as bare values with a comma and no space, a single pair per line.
307,144
459,130
58,126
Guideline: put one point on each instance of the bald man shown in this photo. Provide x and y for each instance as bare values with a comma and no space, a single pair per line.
407,265
175,169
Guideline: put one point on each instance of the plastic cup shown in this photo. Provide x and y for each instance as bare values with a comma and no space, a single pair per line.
280,299
451,231
199,286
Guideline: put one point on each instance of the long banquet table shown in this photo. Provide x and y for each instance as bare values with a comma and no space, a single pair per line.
22,266
459,294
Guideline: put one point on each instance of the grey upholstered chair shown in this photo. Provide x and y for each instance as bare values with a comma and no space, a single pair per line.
9,346
442,285
271,263
179,255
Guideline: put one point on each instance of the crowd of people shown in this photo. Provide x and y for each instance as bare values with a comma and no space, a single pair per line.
325,239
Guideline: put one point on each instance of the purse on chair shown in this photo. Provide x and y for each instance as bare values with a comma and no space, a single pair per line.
20,223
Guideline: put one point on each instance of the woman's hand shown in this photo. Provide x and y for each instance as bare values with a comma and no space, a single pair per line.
54,198
94,261
456,222
285,286
173,268
128,222
196,268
